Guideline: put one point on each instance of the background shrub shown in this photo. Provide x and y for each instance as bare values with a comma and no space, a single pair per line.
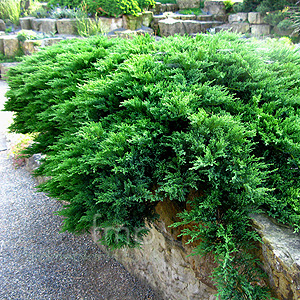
127,123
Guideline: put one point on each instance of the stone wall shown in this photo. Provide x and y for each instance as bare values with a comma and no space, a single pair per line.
163,260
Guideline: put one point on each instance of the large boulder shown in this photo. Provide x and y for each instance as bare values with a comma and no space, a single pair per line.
2,25
44,25
239,17
66,26
26,23
10,45
132,22
147,18
255,18
31,46
240,27
260,30
184,4
214,8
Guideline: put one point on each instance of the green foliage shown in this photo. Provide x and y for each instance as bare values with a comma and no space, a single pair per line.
64,3
113,8
10,10
64,12
228,5
24,35
286,24
128,123
264,5
88,27
191,11
275,18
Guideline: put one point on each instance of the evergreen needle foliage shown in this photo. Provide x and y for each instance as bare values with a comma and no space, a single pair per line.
127,123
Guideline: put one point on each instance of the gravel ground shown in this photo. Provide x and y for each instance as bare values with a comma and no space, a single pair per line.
39,262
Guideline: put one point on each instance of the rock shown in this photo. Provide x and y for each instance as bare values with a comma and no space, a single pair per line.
172,26
223,27
4,67
169,27
2,25
163,262
31,46
220,18
132,22
239,17
10,45
255,18
2,33
183,4
44,25
214,8
238,27
144,31
26,23
50,41
66,26
163,8
204,17
48,26
184,17
147,18
110,24
259,30
156,19
280,256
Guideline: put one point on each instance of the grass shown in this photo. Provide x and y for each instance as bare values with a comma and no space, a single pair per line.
10,10
191,11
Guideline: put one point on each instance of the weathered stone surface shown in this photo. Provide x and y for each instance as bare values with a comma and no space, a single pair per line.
239,17
220,18
110,24
172,26
4,67
156,19
214,7
26,23
50,41
204,17
147,18
162,261
255,18
66,26
169,27
32,163
281,257
2,25
163,8
44,25
238,27
10,45
259,30
132,22
183,4
31,46
184,17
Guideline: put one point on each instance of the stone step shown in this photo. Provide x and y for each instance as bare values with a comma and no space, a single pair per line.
172,26
4,67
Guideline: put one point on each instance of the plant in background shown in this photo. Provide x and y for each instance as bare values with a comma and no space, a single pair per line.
10,10
141,121
276,17
113,8
285,25
64,3
228,5
191,11
24,35
40,13
70,13
146,4
87,27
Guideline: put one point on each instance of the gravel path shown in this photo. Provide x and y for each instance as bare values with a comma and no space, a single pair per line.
38,262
